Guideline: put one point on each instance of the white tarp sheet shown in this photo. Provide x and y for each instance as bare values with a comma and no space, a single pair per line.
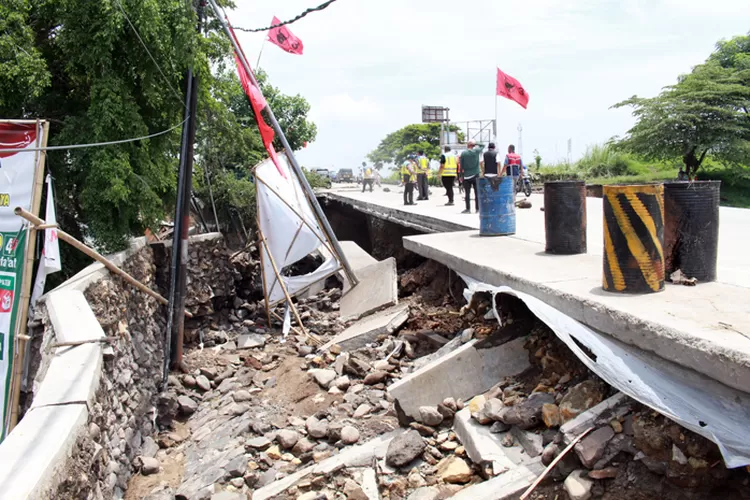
696,402
290,229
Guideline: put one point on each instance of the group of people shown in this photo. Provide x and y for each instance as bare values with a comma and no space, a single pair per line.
466,169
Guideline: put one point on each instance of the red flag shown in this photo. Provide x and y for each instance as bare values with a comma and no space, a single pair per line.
257,102
284,38
510,88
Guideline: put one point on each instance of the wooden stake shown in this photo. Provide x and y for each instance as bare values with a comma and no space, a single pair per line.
97,257
552,465
75,343
28,272
262,263
283,287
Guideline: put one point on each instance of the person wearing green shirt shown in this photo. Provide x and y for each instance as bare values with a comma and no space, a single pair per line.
470,167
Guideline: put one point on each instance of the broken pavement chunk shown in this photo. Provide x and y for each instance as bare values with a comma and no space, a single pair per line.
367,330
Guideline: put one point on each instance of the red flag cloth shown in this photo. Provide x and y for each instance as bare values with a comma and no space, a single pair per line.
510,88
284,38
257,102
16,136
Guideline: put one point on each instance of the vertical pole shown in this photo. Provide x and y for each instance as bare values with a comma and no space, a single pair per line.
494,124
290,155
211,195
28,270
263,45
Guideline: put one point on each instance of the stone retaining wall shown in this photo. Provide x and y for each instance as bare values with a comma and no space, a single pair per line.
93,409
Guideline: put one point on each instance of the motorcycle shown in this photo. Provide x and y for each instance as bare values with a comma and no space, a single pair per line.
523,184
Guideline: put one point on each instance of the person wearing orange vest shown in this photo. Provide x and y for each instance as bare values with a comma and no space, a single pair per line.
513,163
448,172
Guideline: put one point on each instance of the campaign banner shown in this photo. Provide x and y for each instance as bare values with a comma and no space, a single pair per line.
17,173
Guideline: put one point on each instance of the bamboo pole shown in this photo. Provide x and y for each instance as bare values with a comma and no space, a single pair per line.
262,262
28,272
291,244
97,257
283,288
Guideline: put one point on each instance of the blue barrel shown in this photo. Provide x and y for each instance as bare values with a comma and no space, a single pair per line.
497,207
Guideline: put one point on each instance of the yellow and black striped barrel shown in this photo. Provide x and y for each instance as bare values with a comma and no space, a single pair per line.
633,238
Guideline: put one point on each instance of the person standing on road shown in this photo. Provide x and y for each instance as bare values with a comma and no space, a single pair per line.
513,164
422,171
470,169
368,179
489,161
448,172
408,174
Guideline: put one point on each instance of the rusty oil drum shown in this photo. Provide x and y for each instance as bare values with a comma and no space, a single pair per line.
691,228
565,217
633,238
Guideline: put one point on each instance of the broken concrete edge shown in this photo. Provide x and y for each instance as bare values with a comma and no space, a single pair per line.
354,456
426,224
377,288
460,374
506,486
59,412
576,426
368,329
667,343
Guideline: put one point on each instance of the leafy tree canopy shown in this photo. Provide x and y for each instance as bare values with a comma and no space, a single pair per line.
706,112
409,140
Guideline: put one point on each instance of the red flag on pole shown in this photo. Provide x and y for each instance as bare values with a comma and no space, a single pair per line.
510,88
284,38
257,102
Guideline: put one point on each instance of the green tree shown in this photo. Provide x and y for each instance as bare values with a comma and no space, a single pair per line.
705,112
409,140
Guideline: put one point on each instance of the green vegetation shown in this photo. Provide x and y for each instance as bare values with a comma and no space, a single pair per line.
82,66
409,140
707,112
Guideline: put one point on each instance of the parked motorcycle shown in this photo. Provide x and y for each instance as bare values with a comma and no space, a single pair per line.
523,184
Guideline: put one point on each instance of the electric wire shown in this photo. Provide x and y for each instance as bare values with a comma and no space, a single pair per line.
96,144
169,84
294,19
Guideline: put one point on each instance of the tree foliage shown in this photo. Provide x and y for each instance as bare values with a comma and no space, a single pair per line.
409,140
81,65
706,112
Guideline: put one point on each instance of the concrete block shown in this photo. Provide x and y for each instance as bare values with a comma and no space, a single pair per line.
463,373
33,457
573,428
367,330
72,376
72,317
377,288
507,486
356,255
529,441
481,445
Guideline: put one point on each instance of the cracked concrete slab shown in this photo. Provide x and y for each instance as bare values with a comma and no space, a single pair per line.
367,330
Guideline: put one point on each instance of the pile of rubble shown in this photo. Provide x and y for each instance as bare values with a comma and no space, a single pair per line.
264,416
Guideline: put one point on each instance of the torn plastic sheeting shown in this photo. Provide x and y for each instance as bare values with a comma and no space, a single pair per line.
696,402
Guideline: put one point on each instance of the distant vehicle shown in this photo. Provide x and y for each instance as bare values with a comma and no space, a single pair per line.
346,175
325,174
332,176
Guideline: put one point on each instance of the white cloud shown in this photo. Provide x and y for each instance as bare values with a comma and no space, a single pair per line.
345,107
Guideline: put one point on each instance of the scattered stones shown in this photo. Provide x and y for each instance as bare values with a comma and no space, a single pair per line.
362,410
429,415
349,434
493,409
355,367
149,448
342,383
258,443
303,446
580,398
448,446
353,491
149,465
616,426
477,404
375,377
550,452
450,403
251,341
424,430
454,470
317,428
528,413
189,381
498,427
203,383
287,438
237,466
323,377
467,335
507,440
678,456
578,485
242,396
551,415
591,448
404,448
530,442
447,413
608,473
274,453
187,405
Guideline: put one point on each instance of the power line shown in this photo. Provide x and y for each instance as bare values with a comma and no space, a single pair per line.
169,84
294,19
95,144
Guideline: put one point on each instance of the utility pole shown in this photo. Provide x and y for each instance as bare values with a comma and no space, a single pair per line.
178,283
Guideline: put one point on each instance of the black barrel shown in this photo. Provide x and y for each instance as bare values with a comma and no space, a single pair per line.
633,238
691,228
565,217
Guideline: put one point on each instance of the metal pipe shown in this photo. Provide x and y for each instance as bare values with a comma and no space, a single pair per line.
290,155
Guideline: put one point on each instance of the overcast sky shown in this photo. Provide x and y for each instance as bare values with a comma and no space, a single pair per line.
369,66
